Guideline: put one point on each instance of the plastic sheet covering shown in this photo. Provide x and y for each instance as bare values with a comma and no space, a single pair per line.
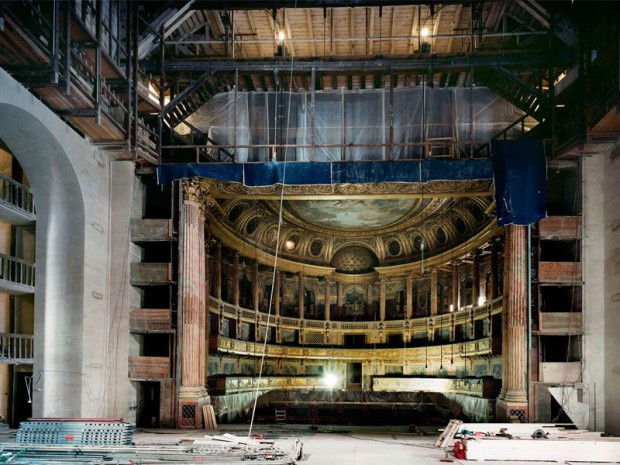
462,118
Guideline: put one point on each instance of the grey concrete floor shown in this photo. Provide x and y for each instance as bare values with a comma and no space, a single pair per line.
344,445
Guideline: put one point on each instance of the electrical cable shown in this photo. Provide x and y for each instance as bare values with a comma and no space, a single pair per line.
278,241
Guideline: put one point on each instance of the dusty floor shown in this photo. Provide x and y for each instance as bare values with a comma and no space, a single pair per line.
322,445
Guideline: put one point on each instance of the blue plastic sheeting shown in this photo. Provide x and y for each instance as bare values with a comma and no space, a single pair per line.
520,171
303,173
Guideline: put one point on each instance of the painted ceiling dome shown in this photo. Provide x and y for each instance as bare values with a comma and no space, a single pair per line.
352,228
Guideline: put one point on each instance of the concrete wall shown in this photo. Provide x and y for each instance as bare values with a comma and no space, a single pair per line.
72,184
593,259
611,294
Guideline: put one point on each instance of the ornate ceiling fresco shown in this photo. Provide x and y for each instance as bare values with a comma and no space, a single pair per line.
352,214
353,234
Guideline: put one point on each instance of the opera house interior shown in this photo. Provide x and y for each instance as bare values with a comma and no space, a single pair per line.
341,211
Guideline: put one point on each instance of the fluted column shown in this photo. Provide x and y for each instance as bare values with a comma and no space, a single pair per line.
513,398
217,272
382,298
475,291
301,292
193,315
235,280
328,299
456,286
409,307
434,296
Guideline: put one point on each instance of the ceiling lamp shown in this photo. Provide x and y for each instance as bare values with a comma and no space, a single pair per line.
289,245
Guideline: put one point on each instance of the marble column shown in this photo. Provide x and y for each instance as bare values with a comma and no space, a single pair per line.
409,307
475,291
456,286
513,398
193,315
235,280
381,298
328,299
434,292
217,272
300,294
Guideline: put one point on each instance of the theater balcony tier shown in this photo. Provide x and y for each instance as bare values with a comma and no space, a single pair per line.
245,326
417,355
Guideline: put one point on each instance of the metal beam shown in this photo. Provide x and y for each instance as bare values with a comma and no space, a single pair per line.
277,4
437,63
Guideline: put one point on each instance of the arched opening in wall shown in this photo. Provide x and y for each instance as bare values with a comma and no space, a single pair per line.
17,257
36,142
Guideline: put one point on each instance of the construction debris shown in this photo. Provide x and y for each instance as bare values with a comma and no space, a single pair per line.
527,441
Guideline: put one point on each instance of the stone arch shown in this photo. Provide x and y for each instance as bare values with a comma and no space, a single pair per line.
70,352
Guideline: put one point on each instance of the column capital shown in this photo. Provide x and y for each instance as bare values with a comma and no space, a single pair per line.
195,191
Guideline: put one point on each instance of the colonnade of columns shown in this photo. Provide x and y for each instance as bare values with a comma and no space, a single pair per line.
455,300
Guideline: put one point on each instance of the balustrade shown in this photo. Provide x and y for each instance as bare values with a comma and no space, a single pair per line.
16,270
16,348
16,195
444,322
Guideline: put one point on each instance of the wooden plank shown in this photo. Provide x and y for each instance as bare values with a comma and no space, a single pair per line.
556,450
447,435
560,322
149,319
560,227
563,373
149,367
559,272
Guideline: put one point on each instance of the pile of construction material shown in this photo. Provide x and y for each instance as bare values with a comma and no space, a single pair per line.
527,441
249,448
78,431
228,449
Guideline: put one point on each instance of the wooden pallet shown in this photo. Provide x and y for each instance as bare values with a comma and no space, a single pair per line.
208,415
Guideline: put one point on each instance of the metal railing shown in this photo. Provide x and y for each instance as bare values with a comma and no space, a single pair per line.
16,194
16,348
16,270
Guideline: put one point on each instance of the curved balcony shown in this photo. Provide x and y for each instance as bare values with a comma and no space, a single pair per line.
467,316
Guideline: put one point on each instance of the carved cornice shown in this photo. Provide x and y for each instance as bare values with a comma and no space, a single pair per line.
471,188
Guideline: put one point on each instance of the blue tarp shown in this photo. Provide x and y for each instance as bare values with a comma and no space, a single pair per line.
520,173
351,172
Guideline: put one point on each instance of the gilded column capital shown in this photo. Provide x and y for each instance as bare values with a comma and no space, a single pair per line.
195,191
